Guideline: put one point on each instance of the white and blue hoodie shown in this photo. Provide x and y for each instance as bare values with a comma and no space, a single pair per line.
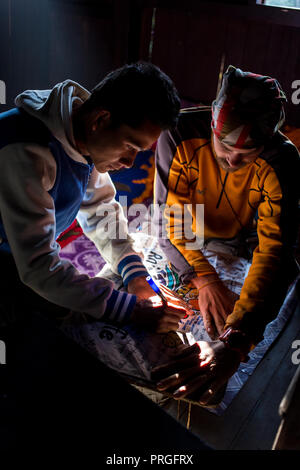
44,184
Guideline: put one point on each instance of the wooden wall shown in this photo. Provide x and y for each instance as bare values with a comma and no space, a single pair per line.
192,40
43,42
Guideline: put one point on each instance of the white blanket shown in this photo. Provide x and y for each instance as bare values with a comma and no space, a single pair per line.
134,352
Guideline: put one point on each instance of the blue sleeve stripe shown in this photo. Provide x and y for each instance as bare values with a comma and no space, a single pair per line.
132,267
119,306
139,272
111,303
129,308
128,259
123,309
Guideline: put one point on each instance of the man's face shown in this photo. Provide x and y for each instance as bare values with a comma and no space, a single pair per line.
116,148
231,158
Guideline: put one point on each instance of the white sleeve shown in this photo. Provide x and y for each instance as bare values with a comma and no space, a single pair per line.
28,215
103,221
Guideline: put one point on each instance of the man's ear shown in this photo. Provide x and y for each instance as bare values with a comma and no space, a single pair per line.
101,119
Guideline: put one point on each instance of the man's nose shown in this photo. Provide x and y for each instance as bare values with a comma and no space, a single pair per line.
128,159
235,159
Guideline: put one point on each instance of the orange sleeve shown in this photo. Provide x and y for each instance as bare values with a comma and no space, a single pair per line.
267,255
172,191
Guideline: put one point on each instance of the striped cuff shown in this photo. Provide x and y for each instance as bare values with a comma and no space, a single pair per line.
119,306
131,267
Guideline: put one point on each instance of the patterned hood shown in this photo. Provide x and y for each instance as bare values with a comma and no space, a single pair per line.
248,110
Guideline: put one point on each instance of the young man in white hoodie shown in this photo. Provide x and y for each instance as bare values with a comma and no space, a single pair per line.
56,147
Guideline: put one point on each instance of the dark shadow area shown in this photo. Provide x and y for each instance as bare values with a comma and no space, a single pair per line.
56,397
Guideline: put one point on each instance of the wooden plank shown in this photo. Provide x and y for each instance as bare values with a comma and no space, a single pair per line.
205,39
81,46
145,33
187,47
167,44
293,50
22,62
190,41
179,49
282,53
276,61
28,46
254,53
47,42
235,44
259,430
288,436
267,14
120,37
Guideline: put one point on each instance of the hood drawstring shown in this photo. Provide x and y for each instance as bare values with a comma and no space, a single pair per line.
223,189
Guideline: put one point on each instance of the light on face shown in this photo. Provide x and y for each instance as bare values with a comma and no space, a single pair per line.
231,158
235,158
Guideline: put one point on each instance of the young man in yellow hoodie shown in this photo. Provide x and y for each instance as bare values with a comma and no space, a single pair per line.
234,160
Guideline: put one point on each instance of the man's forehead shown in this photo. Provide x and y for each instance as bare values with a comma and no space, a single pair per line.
143,136
241,149
237,149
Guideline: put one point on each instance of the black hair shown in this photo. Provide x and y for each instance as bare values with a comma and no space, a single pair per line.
135,93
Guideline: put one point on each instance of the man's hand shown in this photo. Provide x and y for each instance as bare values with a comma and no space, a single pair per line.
152,312
216,302
199,372
140,287
157,315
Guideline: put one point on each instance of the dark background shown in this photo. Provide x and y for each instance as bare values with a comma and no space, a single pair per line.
43,42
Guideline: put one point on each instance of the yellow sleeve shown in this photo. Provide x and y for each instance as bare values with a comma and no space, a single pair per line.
266,257
176,212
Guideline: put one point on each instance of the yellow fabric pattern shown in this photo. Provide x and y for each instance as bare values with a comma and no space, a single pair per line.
199,181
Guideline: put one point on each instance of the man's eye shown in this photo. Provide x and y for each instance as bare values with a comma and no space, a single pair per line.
129,147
